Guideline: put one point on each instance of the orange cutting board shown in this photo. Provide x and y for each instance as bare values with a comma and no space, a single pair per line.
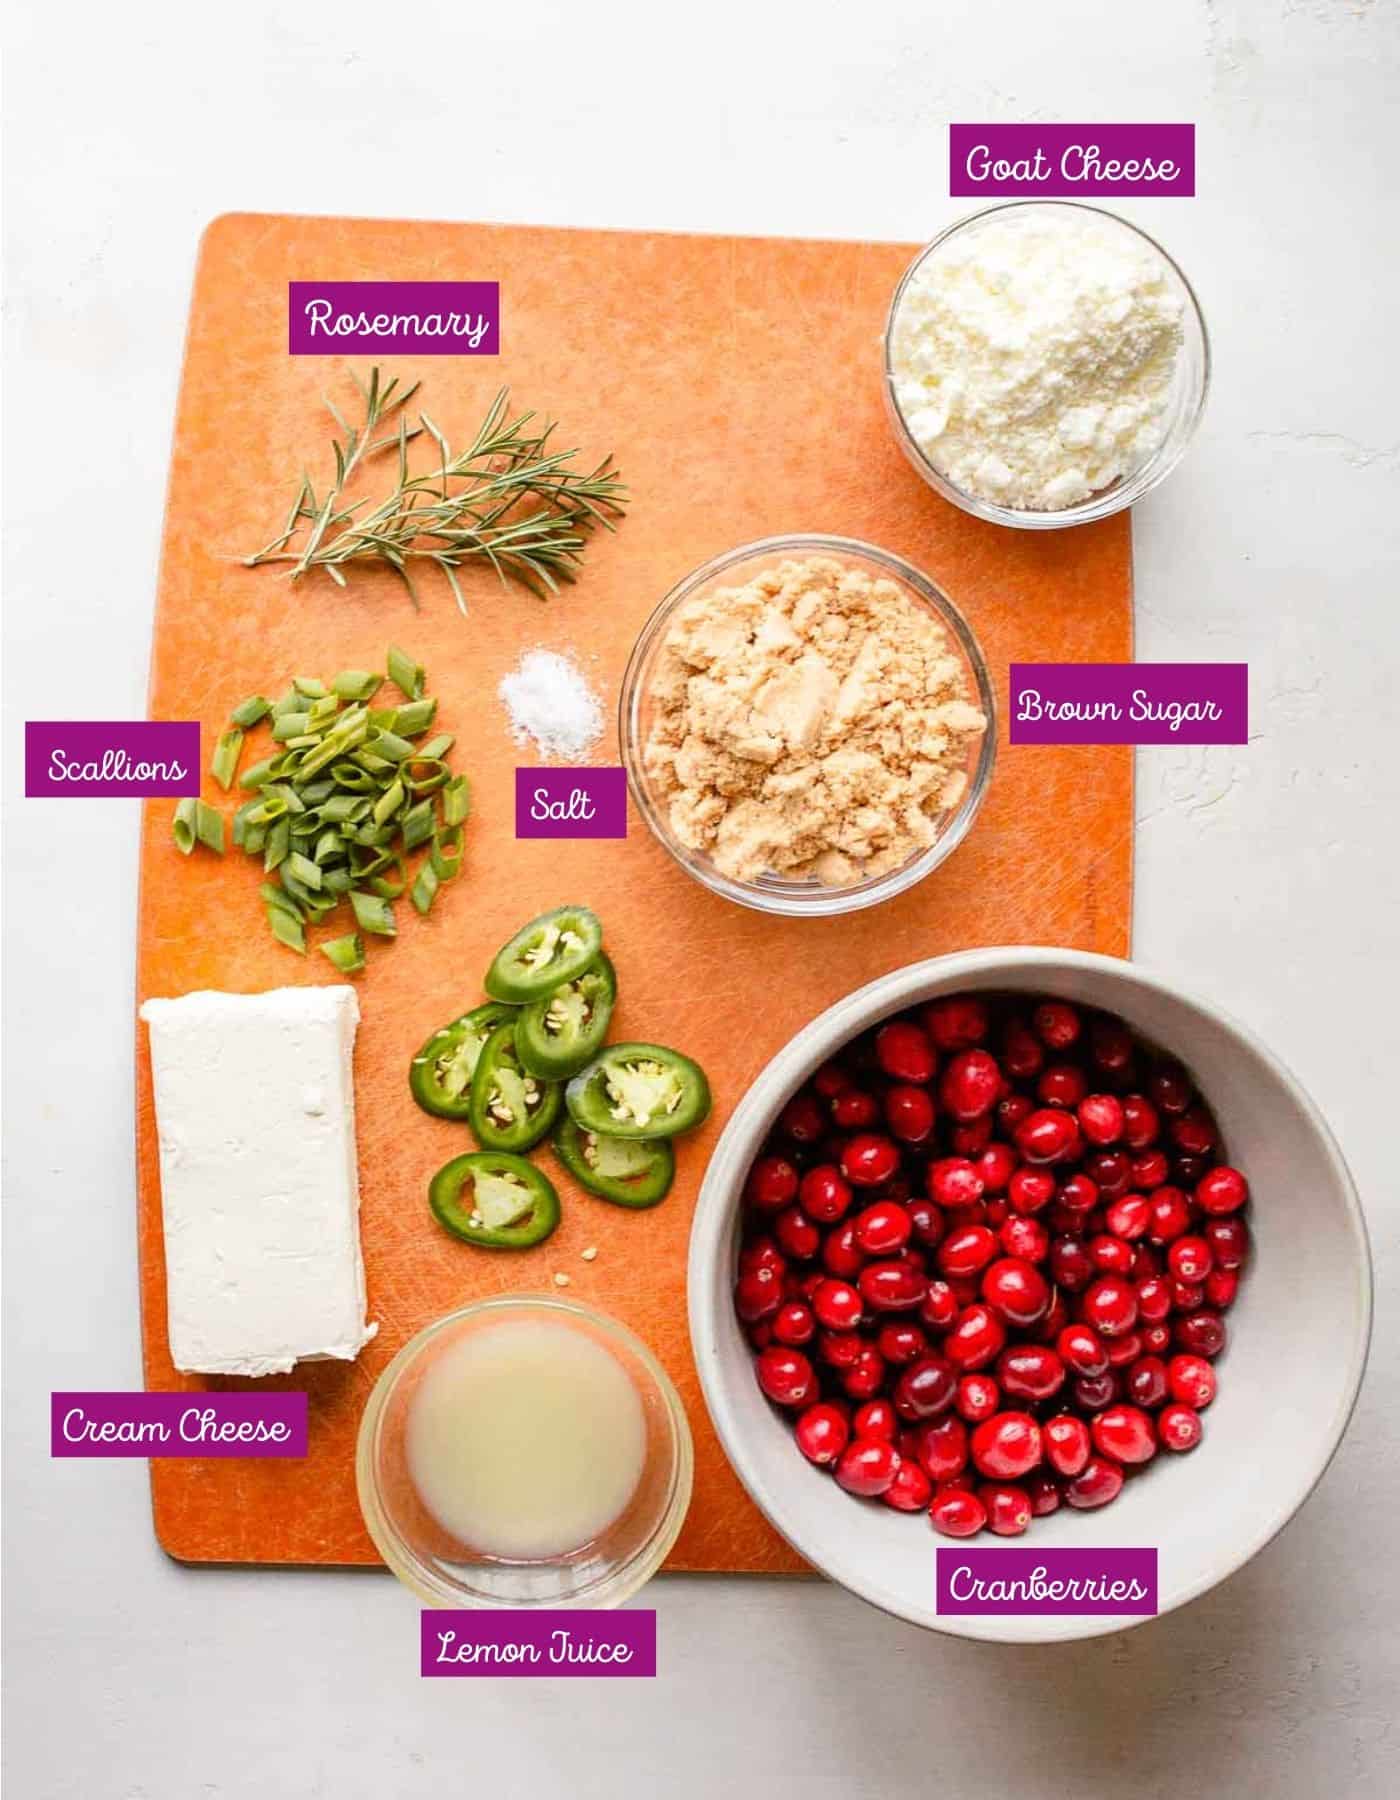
737,382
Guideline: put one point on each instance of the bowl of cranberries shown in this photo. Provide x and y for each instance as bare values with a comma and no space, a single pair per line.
1027,1245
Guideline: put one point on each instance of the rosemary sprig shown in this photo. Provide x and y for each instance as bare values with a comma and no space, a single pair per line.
508,498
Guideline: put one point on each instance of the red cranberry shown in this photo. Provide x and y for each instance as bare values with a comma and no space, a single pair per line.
976,1338
1141,1125
939,1307
972,1137
883,1228
1190,1259
1223,1190
904,1052
1098,1482
854,1110
1129,1216
900,1343
839,1349
1006,1446
794,1324
956,1023
1043,1492
841,1254
797,1234
1082,1350
1110,1045
942,1447
910,1490
1150,1170
892,1286
1031,1190
1156,1339
1067,1443
1121,1351
1200,1333
825,1194
1025,1238
1145,1382
867,1466
772,1184
1221,1286
909,1114
1057,1024
1110,1171
1094,1392
1125,1433
1194,1132
1229,1242
967,1251
1110,1306
924,1388
1030,1371
1016,1291
1179,1428
1110,1255
761,1253
953,1181
1008,1508
956,1513
1010,1110
822,1433
1100,1119
996,1165
1171,1215
1192,1381
866,1375
867,1160
1170,1089
786,1376
760,1335
926,1221
830,1080
757,1295
1063,1085
837,1305
971,1085
1070,1264
875,1419
1022,1054
1188,1170
803,1119
1048,1136
978,1398
1154,1297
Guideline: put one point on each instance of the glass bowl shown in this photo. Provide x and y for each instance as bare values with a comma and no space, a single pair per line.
775,893
1185,401
445,1572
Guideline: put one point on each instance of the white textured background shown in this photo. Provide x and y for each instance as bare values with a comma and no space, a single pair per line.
1266,875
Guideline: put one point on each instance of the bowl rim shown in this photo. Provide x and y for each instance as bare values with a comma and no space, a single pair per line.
802,902
1108,501
611,1590
707,1283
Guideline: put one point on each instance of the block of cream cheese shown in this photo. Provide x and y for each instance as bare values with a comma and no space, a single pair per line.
260,1195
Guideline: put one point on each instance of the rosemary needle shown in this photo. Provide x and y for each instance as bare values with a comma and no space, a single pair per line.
508,499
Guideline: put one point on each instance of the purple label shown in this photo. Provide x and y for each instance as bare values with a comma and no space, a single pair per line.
106,759
429,318
192,1424
538,1643
1129,703
570,803
1047,1581
1065,162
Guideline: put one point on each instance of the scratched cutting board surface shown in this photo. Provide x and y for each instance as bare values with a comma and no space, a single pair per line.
737,382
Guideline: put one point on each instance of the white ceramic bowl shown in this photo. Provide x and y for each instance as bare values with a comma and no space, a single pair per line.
1289,1376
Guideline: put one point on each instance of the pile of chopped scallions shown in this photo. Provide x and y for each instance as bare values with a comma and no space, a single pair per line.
346,794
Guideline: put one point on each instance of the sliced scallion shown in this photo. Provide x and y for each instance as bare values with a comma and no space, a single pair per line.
415,718
225,761
287,929
209,826
357,684
456,801
182,826
346,953
406,675
417,824
248,712
425,887
373,913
